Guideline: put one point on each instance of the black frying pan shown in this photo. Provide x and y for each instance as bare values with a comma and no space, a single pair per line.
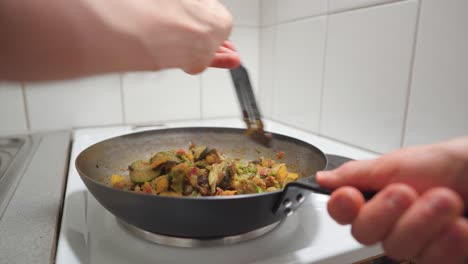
198,217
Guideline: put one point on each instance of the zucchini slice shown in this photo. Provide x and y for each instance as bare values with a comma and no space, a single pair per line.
141,171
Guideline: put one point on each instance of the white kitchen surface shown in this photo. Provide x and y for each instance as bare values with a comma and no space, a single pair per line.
343,5
266,82
288,10
12,111
151,96
367,74
90,101
298,71
217,87
438,101
245,12
90,234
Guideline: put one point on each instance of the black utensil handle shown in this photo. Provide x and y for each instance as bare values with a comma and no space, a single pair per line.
245,93
296,192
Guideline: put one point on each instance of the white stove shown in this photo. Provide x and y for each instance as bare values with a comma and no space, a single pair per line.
91,234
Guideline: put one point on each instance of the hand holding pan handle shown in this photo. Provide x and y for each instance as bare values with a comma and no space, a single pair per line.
296,192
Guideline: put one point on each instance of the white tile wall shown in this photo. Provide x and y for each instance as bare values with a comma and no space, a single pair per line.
218,94
244,12
267,62
75,103
12,110
294,9
161,96
268,12
342,5
367,75
438,104
298,70
280,11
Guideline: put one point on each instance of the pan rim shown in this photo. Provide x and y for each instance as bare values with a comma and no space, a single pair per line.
182,129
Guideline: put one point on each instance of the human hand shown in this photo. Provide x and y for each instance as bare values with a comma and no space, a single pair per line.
225,57
417,212
198,29
55,39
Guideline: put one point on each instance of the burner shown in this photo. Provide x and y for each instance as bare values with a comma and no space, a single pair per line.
11,142
8,148
193,242
334,161
5,159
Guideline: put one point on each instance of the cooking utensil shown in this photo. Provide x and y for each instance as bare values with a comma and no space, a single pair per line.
250,111
198,217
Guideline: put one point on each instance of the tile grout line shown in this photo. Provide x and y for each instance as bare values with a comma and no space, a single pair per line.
122,100
259,72
410,75
200,87
366,6
327,137
273,72
322,88
329,13
245,26
26,109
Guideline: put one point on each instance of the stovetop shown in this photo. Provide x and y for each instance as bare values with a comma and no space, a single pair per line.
91,234
15,152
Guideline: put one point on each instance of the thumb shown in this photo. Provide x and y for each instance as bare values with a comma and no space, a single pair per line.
360,174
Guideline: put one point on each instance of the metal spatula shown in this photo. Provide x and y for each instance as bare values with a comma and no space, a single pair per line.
248,104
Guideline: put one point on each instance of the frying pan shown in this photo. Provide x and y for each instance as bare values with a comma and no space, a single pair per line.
198,217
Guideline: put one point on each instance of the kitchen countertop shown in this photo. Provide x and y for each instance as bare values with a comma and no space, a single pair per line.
29,225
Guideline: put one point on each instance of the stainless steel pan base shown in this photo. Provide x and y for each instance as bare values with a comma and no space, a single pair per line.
192,242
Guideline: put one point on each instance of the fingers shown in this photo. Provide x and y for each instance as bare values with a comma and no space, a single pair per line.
225,60
225,57
344,204
229,45
450,246
434,211
378,216
359,174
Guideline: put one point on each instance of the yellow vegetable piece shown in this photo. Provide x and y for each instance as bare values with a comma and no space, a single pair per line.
282,172
228,193
117,179
159,162
189,155
293,176
161,184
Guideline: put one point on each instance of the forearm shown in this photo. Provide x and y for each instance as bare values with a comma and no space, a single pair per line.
57,39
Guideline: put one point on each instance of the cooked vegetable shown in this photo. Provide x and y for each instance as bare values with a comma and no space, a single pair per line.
118,181
216,175
203,171
161,158
199,153
141,172
161,184
178,175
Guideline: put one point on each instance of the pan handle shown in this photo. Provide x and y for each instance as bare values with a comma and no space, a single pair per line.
296,192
